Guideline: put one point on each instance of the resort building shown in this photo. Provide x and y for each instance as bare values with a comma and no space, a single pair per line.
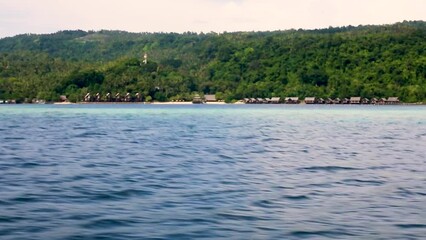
210,98
275,100
355,100
392,100
310,100
291,100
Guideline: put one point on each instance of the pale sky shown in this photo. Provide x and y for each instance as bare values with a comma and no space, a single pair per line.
48,16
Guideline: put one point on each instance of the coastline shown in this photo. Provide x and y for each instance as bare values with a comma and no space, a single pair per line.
209,103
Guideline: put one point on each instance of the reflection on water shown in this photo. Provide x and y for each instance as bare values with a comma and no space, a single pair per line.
237,172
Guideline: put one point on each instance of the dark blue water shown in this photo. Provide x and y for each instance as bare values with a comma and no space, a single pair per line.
214,172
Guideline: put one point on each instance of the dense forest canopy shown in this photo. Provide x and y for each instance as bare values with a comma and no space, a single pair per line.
367,61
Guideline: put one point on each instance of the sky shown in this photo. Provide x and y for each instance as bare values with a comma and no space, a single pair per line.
48,16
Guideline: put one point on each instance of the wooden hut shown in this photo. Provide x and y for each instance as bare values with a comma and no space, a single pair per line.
291,100
365,101
355,100
310,100
108,97
392,101
275,100
329,101
62,98
197,99
210,98
117,97
87,97
373,101
381,101
127,97
337,101
138,97
345,101
261,100
320,101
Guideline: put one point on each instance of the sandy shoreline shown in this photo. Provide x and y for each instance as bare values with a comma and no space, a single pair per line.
148,103
221,103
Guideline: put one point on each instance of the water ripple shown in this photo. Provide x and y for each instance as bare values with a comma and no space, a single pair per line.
213,172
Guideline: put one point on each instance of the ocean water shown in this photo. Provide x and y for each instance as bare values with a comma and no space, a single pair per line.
212,172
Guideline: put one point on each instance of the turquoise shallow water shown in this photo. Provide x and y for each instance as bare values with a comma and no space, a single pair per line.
215,172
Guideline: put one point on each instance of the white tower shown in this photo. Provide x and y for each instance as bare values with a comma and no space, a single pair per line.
145,58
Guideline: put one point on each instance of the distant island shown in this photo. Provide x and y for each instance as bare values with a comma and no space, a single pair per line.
370,62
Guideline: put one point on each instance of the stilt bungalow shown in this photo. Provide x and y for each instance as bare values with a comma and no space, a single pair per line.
197,99
87,97
392,101
310,100
291,100
210,98
355,100
337,101
261,100
127,97
275,100
138,97
365,101
107,97
117,97
381,101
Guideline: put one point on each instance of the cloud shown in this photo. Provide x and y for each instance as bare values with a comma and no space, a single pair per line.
41,16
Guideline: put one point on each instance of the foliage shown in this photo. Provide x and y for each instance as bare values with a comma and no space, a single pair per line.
368,61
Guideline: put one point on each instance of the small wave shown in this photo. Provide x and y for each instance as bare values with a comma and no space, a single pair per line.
13,138
30,165
90,134
222,156
108,223
9,219
264,203
379,167
297,197
406,192
412,225
329,168
119,195
24,199
323,233
170,155
271,139
238,217
364,182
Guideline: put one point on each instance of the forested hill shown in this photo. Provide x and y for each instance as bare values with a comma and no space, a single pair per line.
367,61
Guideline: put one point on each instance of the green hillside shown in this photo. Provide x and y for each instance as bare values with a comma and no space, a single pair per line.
367,61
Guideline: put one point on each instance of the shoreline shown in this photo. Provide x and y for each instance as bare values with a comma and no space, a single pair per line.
210,103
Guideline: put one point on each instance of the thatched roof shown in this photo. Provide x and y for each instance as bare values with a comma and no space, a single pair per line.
292,99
